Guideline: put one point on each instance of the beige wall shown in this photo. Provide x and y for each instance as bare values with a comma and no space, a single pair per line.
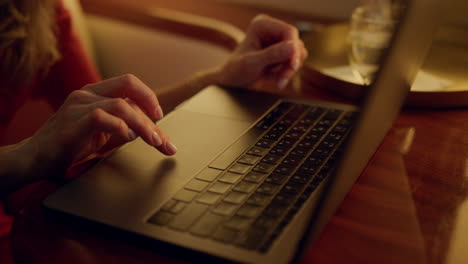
329,8
456,12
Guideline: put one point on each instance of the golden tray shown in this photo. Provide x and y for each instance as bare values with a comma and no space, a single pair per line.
447,59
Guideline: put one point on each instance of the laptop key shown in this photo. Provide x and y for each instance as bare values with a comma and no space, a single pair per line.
274,210
315,113
276,178
185,195
265,222
179,206
300,152
287,142
235,197
220,187
208,174
263,167
225,209
225,235
293,188
279,151
258,200
257,151
196,185
249,211
265,143
238,223
252,239
188,216
168,205
245,187
283,199
297,111
230,177
268,189
285,169
272,135
206,225
255,177
271,159
292,160
300,179
240,168
209,198
226,158
248,159
161,218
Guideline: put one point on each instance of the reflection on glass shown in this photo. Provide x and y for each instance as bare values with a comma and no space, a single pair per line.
371,28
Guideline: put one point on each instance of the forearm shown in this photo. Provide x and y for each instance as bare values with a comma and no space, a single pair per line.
14,166
170,97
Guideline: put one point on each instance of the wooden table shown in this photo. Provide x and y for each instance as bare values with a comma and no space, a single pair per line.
409,205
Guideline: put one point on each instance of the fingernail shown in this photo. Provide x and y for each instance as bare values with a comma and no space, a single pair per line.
171,148
159,112
296,64
282,83
157,141
131,134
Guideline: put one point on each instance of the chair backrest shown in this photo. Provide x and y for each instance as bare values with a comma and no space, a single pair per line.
81,27
160,46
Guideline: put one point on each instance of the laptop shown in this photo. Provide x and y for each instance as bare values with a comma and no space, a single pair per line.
257,176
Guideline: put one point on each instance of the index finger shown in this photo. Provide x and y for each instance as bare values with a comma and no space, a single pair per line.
129,86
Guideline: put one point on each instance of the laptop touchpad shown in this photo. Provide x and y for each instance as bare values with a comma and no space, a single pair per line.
138,174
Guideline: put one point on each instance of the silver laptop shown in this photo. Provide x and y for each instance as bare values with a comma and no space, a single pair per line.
255,174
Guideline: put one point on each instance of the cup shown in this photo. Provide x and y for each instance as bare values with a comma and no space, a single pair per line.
370,33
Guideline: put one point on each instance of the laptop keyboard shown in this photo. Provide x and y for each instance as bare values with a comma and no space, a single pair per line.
252,190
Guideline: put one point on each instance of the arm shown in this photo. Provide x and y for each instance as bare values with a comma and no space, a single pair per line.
119,109
170,97
269,56
15,162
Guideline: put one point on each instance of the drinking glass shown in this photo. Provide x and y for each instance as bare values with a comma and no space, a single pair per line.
369,35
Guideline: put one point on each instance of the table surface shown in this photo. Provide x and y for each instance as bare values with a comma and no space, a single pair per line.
408,206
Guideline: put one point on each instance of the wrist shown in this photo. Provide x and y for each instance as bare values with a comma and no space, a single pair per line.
42,161
211,76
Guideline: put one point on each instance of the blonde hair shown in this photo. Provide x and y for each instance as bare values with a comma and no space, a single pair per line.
28,44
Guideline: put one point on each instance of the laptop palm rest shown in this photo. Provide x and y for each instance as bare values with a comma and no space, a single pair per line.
129,186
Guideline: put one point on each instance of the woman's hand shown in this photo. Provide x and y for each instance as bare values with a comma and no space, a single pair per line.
116,109
271,51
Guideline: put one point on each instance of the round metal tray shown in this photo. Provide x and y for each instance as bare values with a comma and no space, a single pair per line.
447,59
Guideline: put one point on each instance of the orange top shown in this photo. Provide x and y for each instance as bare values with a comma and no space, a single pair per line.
73,71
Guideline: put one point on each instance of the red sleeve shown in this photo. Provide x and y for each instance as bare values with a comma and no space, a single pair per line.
73,71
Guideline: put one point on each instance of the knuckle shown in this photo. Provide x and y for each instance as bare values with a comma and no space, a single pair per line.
96,116
77,95
291,32
261,16
87,86
128,79
119,105
121,127
258,19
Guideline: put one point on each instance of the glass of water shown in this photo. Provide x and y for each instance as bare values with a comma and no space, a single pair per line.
369,35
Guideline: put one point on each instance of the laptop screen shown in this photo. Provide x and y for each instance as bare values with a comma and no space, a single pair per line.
388,41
